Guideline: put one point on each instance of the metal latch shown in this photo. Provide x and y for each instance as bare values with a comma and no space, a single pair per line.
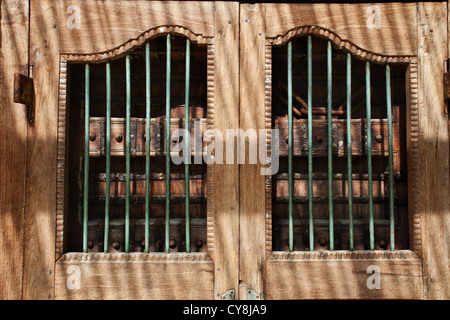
253,295
229,295
24,94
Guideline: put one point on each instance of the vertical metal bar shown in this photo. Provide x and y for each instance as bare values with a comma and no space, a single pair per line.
147,146
108,155
349,152
391,158
186,144
369,155
330,145
86,156
310,146
168,71
290,144
128,154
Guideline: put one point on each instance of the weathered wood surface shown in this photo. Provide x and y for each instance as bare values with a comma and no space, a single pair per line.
97,133
252,221
396,33
128,20
14,30
343,275
433,161
41,184
226,192
121,276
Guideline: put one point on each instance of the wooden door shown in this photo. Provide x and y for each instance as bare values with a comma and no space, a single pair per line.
70,37
246,254
372,35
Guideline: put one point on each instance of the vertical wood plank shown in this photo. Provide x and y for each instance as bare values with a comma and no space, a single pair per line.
41,187
434,147
252,117
14,30
226,176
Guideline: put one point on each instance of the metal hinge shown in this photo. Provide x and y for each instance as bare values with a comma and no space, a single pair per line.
229,295
253,295
24,94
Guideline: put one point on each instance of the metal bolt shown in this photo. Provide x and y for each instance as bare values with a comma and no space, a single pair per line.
379,138
382,244
118,137
90,244
116,245
323,242
172,243
92,137
319,139
199,243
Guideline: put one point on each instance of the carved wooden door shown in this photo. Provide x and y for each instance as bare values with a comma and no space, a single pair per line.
293,232
119,232
310,71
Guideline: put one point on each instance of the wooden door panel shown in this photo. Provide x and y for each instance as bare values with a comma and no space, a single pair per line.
65,32
320,274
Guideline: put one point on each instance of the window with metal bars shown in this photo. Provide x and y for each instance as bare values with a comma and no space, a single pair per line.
324,196
125,193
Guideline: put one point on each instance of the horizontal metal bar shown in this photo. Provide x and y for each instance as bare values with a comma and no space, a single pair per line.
340,200
153,199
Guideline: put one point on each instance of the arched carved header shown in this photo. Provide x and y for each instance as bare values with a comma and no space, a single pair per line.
137,42
340,43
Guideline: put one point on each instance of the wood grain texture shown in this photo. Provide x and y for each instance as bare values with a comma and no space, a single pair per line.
252,224
226,176
434,147
120,276
41,188
14,29
343,275
105,25
396,34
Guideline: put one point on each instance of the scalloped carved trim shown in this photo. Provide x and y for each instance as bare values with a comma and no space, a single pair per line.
415,165
139,41
345,255
340,43
132,257
209,167
61,157
268,127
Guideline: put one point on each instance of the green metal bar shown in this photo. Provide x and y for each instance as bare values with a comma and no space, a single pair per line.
86,156
290,144
168,71
186,144
147,147
391,158
310,146
128,154
369,155
330,145
108,154
349,151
